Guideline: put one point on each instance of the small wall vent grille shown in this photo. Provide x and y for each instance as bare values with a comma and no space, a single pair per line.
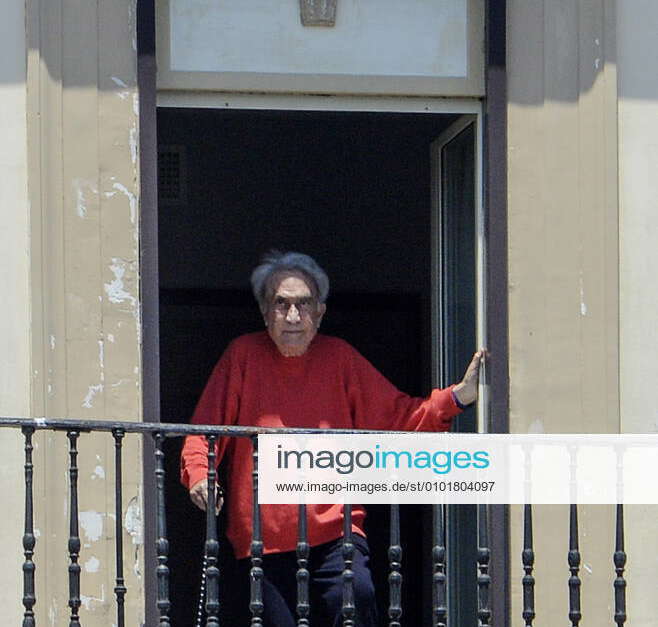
172,179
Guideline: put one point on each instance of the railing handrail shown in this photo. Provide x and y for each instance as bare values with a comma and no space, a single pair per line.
173,429
170,428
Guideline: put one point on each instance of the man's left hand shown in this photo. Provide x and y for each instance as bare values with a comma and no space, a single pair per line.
466,390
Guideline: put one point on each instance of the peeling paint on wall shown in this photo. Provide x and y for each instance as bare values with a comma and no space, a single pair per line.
80,206
99,473
88,600
536,426
136,564
91,524
583,306
115,290
132,21
132,199
138,326
132,521
101,359
52,612
132,142
92,565
80,186
91,392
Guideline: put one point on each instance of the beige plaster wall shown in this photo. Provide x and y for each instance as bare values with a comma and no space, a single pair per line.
637,24
563,270
82,115
15,310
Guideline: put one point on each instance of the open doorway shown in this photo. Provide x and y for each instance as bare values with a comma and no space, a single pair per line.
355,191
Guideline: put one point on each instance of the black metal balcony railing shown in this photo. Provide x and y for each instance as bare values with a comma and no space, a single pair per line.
159,432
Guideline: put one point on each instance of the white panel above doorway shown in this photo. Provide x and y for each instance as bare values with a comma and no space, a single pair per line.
376,47
426,38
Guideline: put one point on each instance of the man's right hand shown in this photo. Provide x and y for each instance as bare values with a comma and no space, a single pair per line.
199,496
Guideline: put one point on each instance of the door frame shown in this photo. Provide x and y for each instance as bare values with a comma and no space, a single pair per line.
309,102
470,111
492,118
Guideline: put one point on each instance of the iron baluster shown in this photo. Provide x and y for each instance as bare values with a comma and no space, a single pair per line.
439,608
395,566
161,544
483,555
256,573
574,567
29,539
349,609
120,587
212,544
528,559
528,553
620,562
303,603
74,533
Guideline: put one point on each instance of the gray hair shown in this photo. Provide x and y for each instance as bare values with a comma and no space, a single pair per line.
276,262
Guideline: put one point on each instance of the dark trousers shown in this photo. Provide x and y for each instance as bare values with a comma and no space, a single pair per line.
326,586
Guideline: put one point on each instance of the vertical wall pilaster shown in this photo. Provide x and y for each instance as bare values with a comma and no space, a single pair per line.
563,266
15,363
637,22
84,196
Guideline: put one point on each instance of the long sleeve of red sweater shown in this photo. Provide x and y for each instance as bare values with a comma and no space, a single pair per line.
219,404
377,404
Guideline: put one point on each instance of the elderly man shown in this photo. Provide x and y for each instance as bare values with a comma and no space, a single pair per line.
289,376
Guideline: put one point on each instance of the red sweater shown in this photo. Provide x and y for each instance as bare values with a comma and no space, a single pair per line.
329,386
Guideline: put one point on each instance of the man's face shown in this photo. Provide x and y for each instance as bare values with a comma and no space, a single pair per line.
293,314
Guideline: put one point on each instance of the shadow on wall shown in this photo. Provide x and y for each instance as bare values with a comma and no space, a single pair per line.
12,45
77,44
557,51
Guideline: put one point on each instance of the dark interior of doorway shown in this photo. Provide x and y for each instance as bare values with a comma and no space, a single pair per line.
351,189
